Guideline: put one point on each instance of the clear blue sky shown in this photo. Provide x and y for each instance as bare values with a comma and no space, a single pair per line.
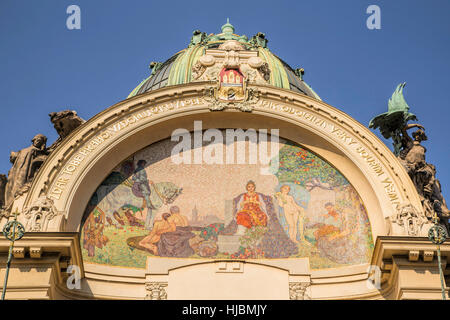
45,67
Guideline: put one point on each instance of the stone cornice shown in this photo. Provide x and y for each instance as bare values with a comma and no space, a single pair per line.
398,255
66,244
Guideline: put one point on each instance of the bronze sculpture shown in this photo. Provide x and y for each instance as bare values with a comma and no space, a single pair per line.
411,153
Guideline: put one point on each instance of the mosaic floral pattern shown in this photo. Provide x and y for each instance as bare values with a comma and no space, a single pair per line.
151,206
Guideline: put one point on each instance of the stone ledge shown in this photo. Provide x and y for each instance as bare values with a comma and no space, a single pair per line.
409,267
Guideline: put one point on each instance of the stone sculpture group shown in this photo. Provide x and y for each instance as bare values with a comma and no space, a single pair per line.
26,162
411,153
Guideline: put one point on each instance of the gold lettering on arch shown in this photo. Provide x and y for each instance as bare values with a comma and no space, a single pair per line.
70,169
348,139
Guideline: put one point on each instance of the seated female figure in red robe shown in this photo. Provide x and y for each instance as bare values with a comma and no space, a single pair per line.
251,212
256,209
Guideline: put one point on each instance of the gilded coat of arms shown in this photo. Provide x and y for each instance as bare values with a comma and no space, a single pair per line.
231,85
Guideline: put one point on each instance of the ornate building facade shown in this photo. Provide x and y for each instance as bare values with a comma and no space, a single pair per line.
223,175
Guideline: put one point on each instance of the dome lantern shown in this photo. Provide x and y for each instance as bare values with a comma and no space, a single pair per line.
228,27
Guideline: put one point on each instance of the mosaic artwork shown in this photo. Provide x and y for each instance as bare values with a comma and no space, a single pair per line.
151,206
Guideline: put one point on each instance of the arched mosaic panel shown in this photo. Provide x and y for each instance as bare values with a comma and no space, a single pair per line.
296,206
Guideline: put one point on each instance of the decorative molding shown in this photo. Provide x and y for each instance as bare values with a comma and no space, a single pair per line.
39,214
252,96
413,255
397,256
428,256
230,267
39,274
231,55
156,291
197,70
36,252
231,45
297,290
408,221
209,95
18,252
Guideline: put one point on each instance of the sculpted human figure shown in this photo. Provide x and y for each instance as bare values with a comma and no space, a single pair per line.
64,123
408,143
423,175
3,181
26,163
394,124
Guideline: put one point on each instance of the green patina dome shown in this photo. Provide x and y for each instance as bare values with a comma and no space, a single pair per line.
178,68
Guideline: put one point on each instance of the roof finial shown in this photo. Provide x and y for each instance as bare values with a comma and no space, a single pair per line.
228,27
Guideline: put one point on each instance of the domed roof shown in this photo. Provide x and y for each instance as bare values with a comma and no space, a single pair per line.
178,69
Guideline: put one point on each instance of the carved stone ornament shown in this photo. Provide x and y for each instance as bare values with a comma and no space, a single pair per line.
408,221
251,97
209,96
264,71
297,290
64,123
197,70
156,291
200,66
231,45
231,55
39,214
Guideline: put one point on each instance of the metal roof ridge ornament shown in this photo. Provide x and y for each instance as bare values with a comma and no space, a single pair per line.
299,72
198,38
227,34
228,28
154,66
259,40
